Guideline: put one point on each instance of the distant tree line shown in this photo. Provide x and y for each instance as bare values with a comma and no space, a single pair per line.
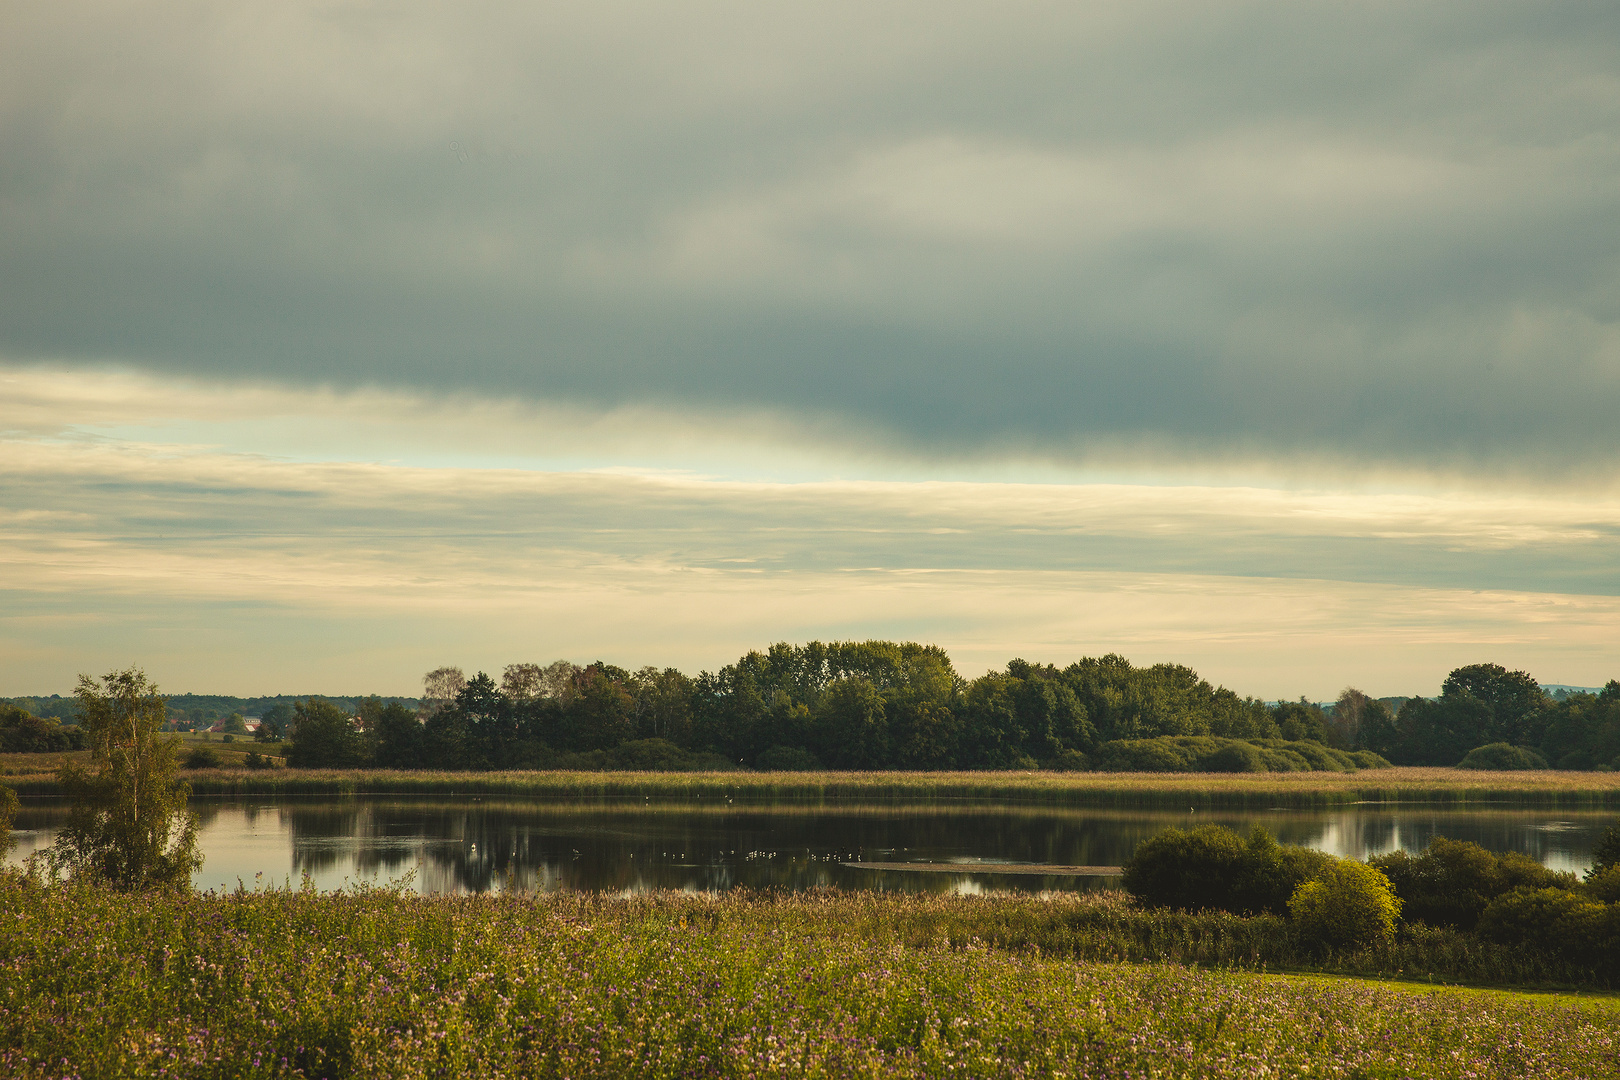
843,705
1485,705
23,732
891,705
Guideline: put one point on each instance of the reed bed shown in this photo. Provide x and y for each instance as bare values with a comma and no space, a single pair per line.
378,983
1441,787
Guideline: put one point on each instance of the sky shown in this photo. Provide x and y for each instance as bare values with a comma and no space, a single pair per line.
340,341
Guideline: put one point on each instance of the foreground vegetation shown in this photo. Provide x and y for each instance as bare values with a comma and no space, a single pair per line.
377,983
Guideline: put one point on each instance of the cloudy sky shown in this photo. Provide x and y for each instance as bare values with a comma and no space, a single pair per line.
342,340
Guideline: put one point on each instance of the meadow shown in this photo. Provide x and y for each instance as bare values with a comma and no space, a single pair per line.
1298,790
373,983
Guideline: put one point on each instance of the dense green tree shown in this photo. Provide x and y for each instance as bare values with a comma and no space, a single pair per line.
851,724
662,705
324,737
1300,720
127,821
1377,730
274,724
1478,705
392,732
1515,699
21,732
1583,730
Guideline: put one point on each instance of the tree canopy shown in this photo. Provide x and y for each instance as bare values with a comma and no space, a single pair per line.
127,821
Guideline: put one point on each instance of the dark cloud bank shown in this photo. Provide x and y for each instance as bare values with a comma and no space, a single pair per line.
1377,232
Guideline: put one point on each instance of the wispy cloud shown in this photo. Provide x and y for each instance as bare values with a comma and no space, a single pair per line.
257,567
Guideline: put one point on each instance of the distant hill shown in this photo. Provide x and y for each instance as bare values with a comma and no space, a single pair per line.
1560,691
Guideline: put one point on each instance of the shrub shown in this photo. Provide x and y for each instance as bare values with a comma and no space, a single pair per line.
787,759
1557,921
202,757
1604,885
1348,904
1366,759
256,760
1283,760
1503,756
650,755
1214,867
1320,758
1071,760
1143,755
1235,757
1577,761
1451,883
1606,852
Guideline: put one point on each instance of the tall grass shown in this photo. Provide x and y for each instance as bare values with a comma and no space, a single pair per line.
373,983
1443,787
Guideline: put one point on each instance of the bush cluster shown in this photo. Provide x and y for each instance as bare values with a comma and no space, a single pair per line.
1453,886
1208,753
1212,867
1503,757
1454,881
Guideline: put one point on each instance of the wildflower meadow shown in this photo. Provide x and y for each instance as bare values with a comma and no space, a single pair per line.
295,983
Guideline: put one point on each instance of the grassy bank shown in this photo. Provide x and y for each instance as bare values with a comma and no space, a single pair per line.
1444,787
375,984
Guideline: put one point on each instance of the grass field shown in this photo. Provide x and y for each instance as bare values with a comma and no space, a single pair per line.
842,984
34,773
1444,787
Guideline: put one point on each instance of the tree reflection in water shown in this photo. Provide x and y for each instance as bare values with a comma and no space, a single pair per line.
479,844
475,845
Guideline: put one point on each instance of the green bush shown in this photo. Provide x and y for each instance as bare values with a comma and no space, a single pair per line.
1143,755
1451,883
1348,904
1558,921
1366,759
1235,757
1503,756
649,755
1283,760
787,759
1606,852
1604,885
1070,760
202,757
1212,867
1321,758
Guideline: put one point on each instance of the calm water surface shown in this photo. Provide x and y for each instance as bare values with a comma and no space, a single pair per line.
448,845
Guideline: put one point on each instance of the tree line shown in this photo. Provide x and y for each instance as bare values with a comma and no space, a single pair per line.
843,705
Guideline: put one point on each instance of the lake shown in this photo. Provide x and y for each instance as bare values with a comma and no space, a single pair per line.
452,845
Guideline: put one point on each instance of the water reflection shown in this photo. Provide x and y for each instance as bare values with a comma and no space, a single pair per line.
478,845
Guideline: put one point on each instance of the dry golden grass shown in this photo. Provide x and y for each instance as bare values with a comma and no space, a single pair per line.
1295,790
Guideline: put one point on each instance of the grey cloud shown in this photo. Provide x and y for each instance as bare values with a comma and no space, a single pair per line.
1387,233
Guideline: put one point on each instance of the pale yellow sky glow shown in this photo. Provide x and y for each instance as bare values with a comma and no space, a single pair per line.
260,559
